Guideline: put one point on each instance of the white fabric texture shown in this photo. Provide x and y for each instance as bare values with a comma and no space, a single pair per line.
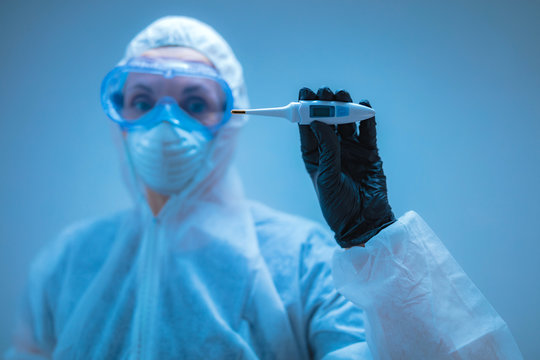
194,294
419,302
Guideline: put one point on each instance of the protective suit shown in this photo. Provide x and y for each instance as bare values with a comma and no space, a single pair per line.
215,276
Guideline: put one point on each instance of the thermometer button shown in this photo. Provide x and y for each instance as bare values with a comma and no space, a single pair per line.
342,111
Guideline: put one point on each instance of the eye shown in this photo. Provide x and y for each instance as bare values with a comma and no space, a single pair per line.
142,104
195,105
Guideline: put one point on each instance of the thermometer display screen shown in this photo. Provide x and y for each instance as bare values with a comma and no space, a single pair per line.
322,111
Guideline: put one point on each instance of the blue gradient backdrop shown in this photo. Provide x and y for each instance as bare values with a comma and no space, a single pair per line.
456,86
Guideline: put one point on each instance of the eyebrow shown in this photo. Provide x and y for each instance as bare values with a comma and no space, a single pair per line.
194,88
141,86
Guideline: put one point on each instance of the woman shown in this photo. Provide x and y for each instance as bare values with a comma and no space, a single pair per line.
197,271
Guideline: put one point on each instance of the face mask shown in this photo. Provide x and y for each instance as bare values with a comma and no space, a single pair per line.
168,158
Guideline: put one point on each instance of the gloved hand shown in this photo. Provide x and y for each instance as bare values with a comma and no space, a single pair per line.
346,170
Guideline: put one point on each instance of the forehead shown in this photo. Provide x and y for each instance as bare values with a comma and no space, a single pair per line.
158,85
178,52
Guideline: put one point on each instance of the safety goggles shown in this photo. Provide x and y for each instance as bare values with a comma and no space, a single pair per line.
146,91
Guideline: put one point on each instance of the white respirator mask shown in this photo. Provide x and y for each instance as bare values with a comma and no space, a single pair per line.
167,158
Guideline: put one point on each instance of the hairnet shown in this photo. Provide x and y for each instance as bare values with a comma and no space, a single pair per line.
192,33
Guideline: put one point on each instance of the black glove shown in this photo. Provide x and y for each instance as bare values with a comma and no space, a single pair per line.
346,170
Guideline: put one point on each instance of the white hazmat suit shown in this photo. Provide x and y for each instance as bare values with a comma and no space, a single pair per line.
215,276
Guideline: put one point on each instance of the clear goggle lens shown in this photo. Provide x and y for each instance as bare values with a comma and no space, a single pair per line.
130,92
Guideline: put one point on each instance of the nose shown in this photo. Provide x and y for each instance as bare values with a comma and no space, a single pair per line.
169,111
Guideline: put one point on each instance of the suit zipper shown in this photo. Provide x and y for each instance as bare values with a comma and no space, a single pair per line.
149,278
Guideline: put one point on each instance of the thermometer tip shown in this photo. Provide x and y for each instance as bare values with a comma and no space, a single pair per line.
238,111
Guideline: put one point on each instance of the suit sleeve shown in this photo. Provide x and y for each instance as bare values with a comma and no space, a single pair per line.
33,336
418,301
334,326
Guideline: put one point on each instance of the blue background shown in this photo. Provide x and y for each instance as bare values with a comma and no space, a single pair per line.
455,84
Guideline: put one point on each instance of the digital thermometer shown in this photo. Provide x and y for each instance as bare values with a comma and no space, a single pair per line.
304,112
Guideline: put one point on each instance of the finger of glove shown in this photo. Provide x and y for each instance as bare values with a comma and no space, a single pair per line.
346,131
308,142
354,157
367,130
309,146
306,94
368,133
343,96
365,102
325,94
329,152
